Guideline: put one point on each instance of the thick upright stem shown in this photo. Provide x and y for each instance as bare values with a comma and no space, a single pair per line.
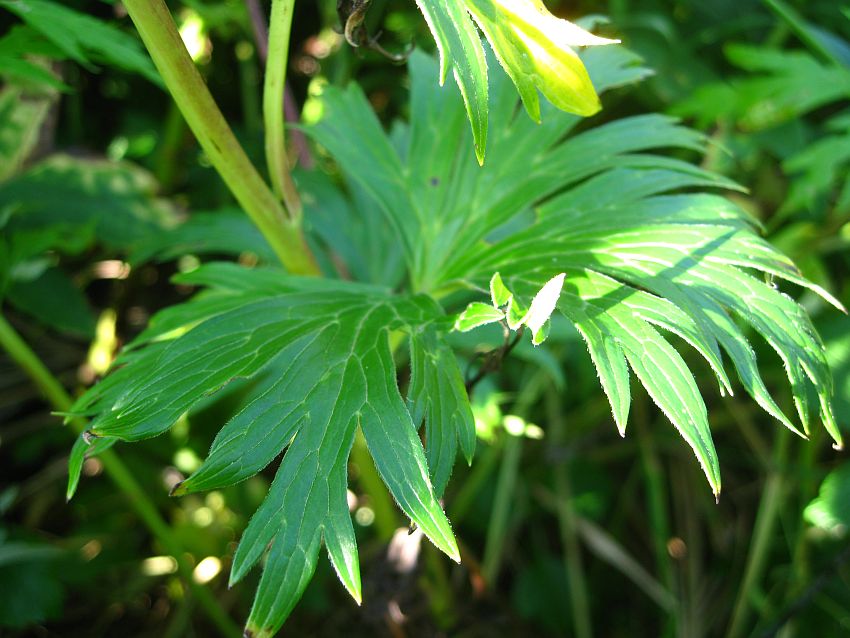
56,395
280,26
281,230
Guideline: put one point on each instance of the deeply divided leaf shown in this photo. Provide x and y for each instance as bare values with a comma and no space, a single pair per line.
328,368
640,243
629,245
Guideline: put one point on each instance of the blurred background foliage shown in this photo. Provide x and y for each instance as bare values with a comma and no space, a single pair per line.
557,513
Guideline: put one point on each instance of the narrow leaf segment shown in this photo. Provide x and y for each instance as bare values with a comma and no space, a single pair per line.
533,46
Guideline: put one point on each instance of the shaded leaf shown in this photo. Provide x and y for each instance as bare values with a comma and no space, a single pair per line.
84,39
54,300
21,117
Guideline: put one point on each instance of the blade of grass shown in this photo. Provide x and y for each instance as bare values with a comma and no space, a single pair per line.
659,516
605,547
505,499
497,529
568,523
766,519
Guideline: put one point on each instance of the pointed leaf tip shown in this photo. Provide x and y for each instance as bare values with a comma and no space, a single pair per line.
179,489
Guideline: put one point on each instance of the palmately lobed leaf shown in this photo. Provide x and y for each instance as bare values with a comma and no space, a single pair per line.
645,245
628,244
324,352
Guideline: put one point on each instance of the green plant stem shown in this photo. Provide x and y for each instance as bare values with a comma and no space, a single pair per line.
248,81
657,502
568,524
280,27
283,232
766,518
56,395
29,362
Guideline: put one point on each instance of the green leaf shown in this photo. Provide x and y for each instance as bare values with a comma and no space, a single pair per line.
820,169
221,232
84,448
374,165
32,587
84,39
543,305
22,54
628,245
533,47
326,347
460,50
531,44
829,510
785,85
477,314
438,394
354,230
21,117
54,300
116,199
499,293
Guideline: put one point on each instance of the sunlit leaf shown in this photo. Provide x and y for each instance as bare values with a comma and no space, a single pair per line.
477,314
460,50
533,46
645,249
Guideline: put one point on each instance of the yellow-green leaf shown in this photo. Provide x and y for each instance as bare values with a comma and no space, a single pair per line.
534,47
